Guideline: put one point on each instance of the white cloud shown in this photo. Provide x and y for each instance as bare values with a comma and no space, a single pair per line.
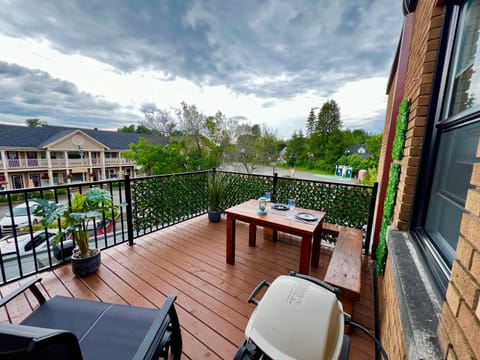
270,62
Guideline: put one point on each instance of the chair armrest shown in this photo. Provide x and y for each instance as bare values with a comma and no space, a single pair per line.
29,342
28,285
164,332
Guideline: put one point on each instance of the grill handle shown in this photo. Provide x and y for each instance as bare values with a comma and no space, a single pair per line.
251,298
319,282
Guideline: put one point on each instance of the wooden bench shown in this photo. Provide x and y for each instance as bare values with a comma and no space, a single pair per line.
327,228
345,268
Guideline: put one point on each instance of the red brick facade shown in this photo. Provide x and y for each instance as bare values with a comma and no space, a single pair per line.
460,318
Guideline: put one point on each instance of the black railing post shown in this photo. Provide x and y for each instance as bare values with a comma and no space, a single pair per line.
128,199
274,188
373,201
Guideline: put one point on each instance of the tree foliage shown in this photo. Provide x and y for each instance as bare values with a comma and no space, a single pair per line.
140,129
311,123
192,122
159,121
34,122
328,119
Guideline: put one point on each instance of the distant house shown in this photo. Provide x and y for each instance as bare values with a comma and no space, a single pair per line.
48,155
360,150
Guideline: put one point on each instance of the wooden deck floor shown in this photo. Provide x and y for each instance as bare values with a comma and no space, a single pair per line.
188,260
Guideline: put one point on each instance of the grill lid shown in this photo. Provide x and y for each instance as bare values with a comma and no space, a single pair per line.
297,319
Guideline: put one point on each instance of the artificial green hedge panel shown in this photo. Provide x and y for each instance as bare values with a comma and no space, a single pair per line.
389,206
401,128
393,180
165,200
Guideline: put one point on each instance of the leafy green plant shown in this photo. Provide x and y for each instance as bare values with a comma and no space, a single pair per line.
216,190
401,128
95,203
393,180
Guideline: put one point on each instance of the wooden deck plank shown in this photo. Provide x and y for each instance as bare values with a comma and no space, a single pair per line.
188,260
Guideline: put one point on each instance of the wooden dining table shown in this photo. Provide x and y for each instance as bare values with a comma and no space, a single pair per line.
284,221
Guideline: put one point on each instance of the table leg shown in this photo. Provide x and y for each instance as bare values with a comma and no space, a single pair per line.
230,240
306,248
317,243
252,234
315,251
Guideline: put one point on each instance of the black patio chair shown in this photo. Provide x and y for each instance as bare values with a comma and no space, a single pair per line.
69,328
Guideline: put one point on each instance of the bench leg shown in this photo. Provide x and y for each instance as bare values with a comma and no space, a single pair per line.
270,234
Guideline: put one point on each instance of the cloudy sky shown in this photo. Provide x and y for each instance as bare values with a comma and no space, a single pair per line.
98,63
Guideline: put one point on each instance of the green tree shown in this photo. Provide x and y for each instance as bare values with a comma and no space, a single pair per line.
359,137
127,129
296,152
334,148
311,125
192,122
34,122
145,155
221,131
244,151
159,121
140,129
328,119
374,145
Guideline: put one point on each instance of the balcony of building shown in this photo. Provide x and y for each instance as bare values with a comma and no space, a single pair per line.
166,246
188,260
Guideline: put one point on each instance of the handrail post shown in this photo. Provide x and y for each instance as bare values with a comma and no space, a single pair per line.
274,187
128,199
373,201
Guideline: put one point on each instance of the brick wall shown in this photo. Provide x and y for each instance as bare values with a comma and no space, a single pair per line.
460,319
392,333
418,87
460,322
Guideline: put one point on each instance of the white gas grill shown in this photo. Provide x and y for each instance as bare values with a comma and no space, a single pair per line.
299,317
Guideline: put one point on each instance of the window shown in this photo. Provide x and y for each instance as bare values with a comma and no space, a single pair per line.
464,85
449,158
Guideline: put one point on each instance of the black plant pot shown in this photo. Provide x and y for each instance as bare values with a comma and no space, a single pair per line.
214,216
83,266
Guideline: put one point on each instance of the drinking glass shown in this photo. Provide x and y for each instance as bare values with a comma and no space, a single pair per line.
267,196
291,204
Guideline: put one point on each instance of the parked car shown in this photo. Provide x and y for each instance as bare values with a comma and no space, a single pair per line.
19,217
26,243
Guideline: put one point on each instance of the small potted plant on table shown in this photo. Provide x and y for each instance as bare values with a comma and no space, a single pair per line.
94,204
216,189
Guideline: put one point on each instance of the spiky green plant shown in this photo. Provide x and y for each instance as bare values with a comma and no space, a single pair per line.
216,191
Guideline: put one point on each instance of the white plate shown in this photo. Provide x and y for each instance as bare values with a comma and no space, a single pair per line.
281,207
306,216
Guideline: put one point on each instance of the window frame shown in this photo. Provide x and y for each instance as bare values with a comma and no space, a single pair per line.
437,124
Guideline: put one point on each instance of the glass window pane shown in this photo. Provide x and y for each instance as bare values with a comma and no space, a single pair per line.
451,182
465,86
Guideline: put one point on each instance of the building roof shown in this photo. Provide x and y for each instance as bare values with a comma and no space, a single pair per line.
39,137
360,150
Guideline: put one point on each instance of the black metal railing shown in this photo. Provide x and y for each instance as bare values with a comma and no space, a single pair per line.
148,204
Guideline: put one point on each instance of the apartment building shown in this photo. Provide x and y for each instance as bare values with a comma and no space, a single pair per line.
51,155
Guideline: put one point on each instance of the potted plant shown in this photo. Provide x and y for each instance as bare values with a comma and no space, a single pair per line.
74,219
216,189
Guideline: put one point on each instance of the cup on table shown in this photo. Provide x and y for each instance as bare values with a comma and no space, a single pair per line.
291,204
267,195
